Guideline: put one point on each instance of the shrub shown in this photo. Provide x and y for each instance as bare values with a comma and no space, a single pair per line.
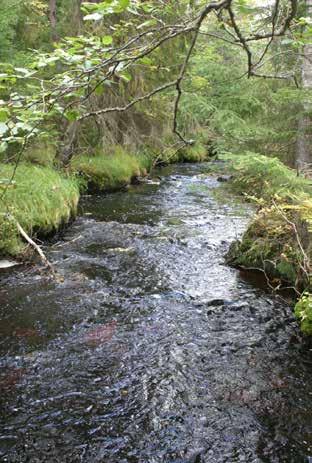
264,177
303,311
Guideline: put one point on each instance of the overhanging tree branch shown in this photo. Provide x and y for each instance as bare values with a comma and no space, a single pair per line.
139,47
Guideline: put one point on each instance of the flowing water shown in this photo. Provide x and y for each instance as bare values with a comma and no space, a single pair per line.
150,349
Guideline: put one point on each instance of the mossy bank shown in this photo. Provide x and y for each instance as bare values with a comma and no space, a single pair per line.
278,240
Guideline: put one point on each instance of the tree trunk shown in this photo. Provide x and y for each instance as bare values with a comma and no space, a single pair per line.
304,143
78,17
53,20
68,146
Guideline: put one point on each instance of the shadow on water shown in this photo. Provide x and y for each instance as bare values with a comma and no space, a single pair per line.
150,349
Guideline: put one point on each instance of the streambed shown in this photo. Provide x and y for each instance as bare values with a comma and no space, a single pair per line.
150,349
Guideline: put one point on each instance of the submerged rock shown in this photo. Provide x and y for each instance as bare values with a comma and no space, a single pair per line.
224,178
4,264
11,377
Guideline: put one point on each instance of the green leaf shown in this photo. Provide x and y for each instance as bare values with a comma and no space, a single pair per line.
287,41
121,5
99,90
3,147
4,115
25,72
147,8
149,23
93,17
146,60
244,8
126,76
124,3
107,40
72,115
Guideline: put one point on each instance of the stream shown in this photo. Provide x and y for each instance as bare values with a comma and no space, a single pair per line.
149,349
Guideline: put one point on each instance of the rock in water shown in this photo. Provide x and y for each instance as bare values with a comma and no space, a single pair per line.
4,264
224,178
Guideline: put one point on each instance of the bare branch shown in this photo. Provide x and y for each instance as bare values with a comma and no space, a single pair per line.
119,109
242,40
286,25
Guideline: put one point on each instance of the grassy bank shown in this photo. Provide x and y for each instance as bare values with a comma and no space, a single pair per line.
278,240
103,172
41,200
117,168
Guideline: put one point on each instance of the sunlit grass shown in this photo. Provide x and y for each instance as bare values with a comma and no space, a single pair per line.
41,200
105,172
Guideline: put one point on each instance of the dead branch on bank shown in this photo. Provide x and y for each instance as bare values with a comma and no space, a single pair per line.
35,246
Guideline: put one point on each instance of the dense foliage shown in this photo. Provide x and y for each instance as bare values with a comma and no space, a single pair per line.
134,55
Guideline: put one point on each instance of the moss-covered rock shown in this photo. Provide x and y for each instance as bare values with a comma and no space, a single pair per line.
116,169
278,240
271,244
193,153
188,153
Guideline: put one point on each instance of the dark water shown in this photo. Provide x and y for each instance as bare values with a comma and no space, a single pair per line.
151,350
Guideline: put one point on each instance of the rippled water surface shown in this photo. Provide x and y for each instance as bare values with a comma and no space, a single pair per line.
150,349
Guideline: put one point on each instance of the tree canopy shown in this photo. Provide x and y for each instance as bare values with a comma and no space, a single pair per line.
84,64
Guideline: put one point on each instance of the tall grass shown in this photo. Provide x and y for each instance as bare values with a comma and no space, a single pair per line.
105,172
40,200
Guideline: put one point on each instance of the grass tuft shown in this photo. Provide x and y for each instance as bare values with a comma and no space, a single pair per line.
104,172
303,311
41,200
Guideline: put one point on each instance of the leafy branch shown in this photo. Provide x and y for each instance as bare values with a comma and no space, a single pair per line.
91,64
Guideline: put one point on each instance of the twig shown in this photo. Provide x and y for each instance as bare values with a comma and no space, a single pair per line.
35,246
306,267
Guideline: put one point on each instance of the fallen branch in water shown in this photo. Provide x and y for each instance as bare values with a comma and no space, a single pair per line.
35,246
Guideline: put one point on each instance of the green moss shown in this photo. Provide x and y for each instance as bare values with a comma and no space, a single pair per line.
114,170
41,200
279,238
104,172
270,244
303,311
168,156
194,153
